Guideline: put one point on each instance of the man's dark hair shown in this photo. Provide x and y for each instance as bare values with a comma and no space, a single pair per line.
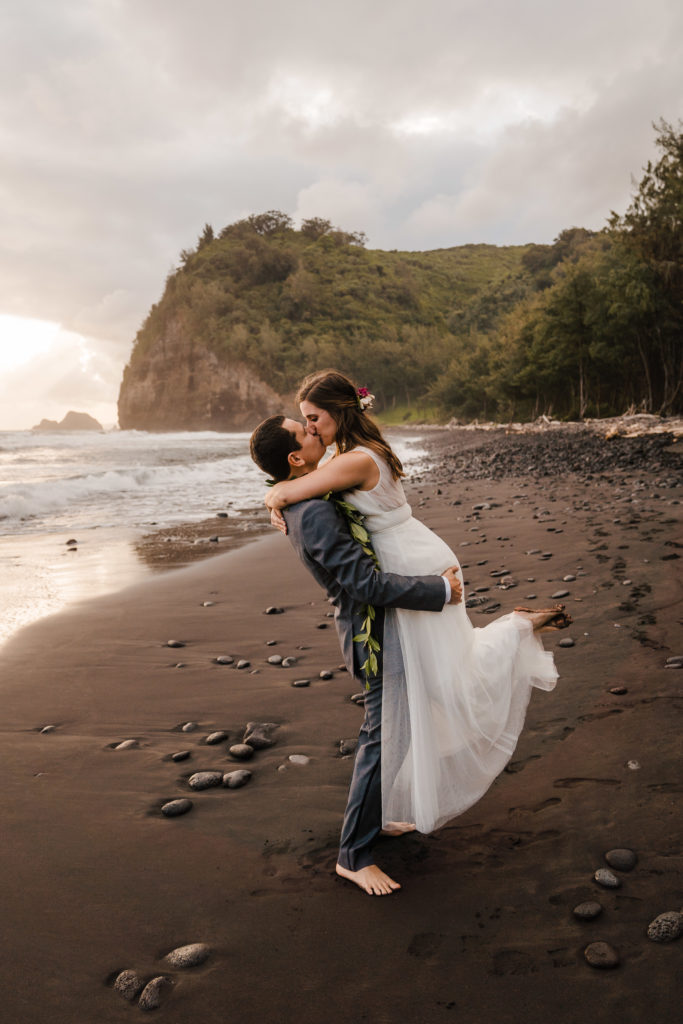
270,445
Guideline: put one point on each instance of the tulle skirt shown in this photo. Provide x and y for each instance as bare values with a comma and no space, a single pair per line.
455,695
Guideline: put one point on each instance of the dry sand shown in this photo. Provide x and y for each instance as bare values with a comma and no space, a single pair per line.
96,880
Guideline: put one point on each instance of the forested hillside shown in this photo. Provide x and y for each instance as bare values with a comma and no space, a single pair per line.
587,326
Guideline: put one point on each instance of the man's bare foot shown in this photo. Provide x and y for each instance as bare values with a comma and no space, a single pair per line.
371,880
546,618
398,828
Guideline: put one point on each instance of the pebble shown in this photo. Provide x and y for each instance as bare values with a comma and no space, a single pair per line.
224,659
326,674
530,597
666,927
129,984
675,662
567,642
288,662
188,956
618,690
299,759
242,751
606,879
568,579
275,659
47,729
301,682
271,643
179,664
342,668
204,780
587,911
126,745
214,540
322,625
175,643
559,593
633,765
274,610
71,541
243,663
181,755
348,746
153,992
174,808
260,734
621,859
222,515
601,954
188,727
237,779
208,604
216,737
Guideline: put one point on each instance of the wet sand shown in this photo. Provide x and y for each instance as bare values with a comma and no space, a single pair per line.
97,880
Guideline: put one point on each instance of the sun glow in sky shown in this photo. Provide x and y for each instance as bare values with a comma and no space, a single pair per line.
23,339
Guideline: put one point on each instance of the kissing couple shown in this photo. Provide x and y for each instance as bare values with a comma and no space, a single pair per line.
445,701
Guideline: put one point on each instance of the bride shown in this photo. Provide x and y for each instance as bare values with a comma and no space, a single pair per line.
455,695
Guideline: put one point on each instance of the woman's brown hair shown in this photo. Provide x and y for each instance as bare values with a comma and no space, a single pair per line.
336,394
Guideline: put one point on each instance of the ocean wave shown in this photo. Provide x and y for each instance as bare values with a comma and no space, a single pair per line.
204,483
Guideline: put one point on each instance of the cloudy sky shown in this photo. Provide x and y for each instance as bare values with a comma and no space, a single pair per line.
125,125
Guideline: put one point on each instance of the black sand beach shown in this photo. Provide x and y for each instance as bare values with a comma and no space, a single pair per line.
97,880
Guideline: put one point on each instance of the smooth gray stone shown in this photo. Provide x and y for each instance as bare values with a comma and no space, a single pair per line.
568,579
208,604
275,659
153,993
322,625
567,642
530,597
558,594
236,779
47,729
175,643
204,780
180,755
224,659
621,859
126,745
606,879
587,911
326,674
348,746
666,927
192,955
174,808
243,663
299,759
216,737
619,691
288,662
675,662
273,610
129,984
601,954
189,727
301,682
71,541
222,515
214,540
242,751
259,735
271,643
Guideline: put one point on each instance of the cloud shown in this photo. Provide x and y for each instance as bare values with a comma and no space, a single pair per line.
127,126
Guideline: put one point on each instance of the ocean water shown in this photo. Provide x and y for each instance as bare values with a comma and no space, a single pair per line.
106,490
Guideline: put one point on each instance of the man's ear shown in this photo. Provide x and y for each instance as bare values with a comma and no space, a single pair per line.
295,460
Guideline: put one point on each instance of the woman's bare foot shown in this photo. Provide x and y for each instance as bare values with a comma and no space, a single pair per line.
371,880
398,828
546,618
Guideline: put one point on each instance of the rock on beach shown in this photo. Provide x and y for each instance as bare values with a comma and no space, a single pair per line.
188,956
129,984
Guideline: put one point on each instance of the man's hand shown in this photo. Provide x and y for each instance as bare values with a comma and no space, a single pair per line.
278,520
451,574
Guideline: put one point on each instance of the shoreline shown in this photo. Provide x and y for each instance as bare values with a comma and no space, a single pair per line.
102,882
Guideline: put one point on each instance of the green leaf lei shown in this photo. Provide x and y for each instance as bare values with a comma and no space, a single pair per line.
367,635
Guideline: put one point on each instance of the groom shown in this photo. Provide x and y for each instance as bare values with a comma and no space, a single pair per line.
284,449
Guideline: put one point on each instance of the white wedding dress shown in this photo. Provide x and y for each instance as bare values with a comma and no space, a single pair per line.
455,695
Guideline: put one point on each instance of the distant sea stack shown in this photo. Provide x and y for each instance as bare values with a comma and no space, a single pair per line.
72,421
